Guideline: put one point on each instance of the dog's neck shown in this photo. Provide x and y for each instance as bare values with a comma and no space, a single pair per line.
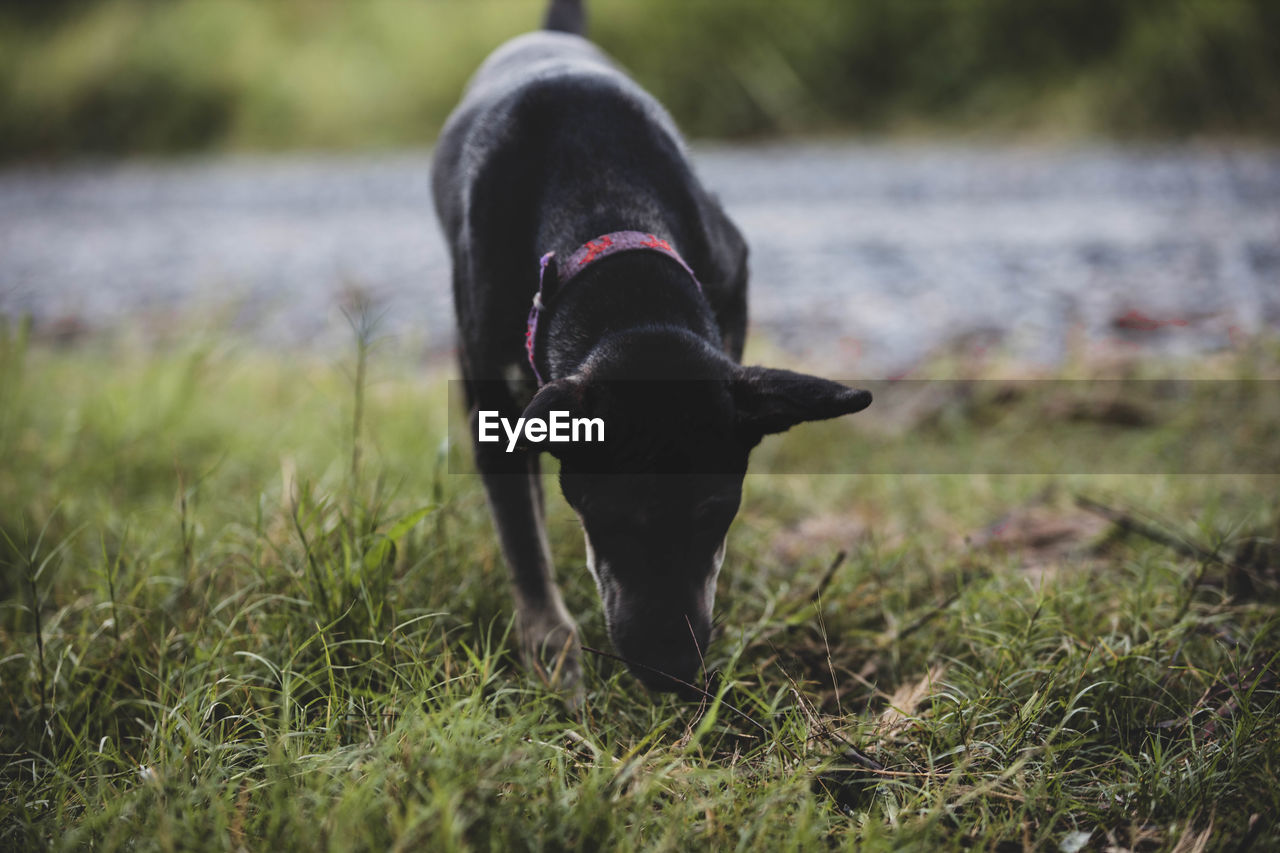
636,290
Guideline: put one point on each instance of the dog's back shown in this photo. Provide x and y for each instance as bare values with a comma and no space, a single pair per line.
560,99
551,145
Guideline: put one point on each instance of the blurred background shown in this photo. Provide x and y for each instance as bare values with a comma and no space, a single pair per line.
1006,174
162,76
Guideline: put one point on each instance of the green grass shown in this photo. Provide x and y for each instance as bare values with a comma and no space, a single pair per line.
140,76
245,605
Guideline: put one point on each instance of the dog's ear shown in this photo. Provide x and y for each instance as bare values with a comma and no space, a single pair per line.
770,400
558,395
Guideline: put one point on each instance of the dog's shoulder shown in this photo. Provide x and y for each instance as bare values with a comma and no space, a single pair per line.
540,92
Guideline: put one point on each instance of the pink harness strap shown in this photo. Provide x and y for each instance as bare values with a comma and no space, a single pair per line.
593,250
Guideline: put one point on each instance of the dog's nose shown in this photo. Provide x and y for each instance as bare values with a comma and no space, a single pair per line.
661,641
680,675
663,661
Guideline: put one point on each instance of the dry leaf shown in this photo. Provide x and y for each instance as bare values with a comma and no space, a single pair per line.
1192,841
1041,537
906,700
819,535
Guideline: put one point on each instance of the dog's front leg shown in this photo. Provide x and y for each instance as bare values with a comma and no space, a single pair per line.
548,635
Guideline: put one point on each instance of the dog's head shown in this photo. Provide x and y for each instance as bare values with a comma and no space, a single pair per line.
657,496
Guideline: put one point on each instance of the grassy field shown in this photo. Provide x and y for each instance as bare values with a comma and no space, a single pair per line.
245,606
137,76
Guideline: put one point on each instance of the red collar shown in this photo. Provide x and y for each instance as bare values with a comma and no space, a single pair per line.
594,250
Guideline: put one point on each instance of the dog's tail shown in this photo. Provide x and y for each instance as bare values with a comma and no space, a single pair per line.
566,16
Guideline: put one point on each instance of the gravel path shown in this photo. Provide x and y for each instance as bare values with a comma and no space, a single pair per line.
867,256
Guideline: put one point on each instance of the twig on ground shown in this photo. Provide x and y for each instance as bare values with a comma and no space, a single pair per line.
848,750
828,576
1129,523
924,618
1179,545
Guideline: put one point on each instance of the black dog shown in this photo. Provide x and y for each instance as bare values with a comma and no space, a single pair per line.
559,182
